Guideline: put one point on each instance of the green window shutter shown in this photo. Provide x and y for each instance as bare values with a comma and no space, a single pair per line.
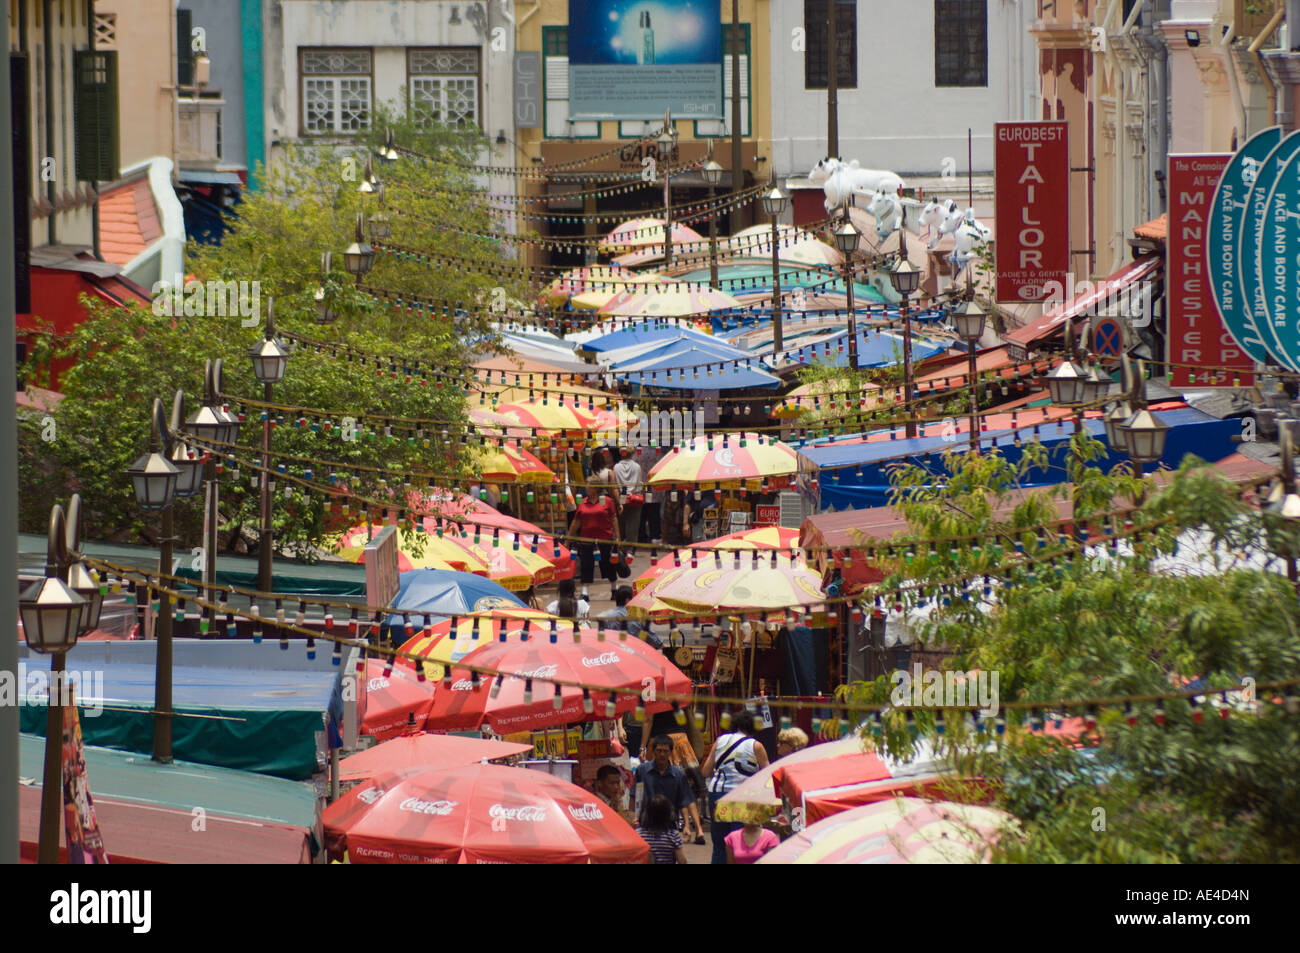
95,115
184,52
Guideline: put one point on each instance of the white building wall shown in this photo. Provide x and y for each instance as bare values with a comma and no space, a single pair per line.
388,27
896,118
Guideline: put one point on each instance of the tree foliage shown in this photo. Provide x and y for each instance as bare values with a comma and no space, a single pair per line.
1106,624
305,204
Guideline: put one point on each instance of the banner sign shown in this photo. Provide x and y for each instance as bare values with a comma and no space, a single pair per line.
1252,237
1279,264
1196,335
81,827
634,59
380,557
528,89
1032,178
1229,223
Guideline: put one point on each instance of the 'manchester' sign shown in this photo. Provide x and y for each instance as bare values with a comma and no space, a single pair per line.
1032,176
1209,355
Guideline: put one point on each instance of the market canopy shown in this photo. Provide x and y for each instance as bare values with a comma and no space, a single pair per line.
696,367
875,349
425,751
643,233
725,459
642,333
676,302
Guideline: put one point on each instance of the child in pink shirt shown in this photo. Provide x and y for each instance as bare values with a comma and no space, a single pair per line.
746,844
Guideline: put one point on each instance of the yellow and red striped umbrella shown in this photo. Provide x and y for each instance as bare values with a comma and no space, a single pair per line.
759,537
435,552
726,460
742,582
548,416
511,465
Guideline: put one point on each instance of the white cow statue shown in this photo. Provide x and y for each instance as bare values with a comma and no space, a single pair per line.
887,207
841,181
933,216
967,232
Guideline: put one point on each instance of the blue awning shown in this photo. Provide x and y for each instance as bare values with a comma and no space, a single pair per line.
642,334
875,349
206,177
697,368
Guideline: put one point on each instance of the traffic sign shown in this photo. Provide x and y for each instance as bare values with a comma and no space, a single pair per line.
1249,259
1223,238
1107,338
1279,263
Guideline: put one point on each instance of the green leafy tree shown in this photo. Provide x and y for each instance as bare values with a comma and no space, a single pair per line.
305,204
1197,788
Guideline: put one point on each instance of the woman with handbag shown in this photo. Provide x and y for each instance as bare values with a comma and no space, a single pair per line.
733,758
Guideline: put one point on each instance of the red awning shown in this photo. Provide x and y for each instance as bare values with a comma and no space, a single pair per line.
1050,324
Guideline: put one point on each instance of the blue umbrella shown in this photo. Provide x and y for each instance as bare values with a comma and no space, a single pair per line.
443,592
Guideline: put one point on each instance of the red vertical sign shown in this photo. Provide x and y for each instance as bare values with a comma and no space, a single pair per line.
1032,176
1201,351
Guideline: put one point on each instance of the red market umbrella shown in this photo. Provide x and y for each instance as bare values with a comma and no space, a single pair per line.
411,752
760,537
395,702
486,525
617,669
820,787
477,814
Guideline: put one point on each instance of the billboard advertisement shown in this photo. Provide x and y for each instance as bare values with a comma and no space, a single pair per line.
1032,175
634,59
1279,265
1202,351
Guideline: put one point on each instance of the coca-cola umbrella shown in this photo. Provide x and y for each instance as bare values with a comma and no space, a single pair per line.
410,752
482,813
395,701
618,672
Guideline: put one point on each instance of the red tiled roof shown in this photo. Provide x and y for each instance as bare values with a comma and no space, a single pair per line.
128,221
1155,230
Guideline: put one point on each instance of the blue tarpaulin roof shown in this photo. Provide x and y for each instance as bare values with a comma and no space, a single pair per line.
875,349
683,369
853,475
642,334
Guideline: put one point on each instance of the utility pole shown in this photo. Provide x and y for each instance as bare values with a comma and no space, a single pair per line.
737,171
832,83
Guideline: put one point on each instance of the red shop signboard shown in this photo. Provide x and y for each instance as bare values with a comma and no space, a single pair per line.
1031,162
1201,350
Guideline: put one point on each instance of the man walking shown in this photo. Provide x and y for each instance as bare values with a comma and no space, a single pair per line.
661,776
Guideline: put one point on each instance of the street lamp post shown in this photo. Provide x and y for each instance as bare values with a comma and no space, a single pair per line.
969,321
712,172
157,478
359,257
54,612
214,424
667,139
775,203
846,240
906,278
270,360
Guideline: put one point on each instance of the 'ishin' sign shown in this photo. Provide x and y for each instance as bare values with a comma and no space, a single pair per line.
1032,171
1200,348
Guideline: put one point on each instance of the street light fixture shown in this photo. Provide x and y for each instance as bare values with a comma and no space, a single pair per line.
387,152
188,461
359,257
325,314
666,142
381,226
369,181
969,320
712,172
906,278
774,203
846,240
270,361
154,476
54,614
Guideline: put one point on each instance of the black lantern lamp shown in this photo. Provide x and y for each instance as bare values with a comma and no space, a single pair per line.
381,226
52,612
270,359
969,321
359,257
153,476
905,277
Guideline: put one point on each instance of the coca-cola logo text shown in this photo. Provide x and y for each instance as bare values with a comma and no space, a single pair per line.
462,685
607,658
529,812
415,806
542,671
587,812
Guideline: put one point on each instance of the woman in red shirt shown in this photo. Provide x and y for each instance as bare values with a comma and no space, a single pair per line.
596,519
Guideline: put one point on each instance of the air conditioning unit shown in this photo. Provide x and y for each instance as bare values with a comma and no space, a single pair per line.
794,510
